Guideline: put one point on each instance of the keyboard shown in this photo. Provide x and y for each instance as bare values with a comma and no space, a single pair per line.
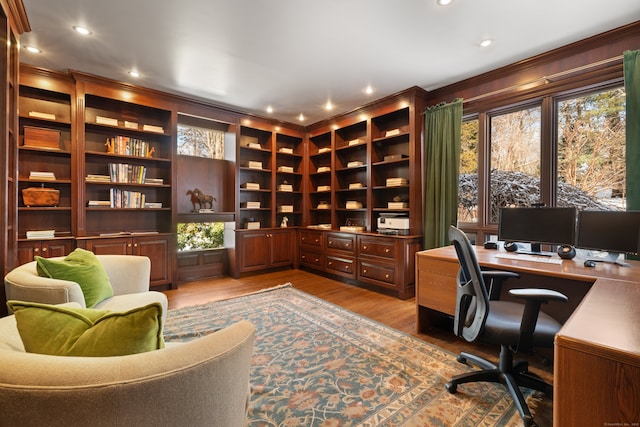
534,258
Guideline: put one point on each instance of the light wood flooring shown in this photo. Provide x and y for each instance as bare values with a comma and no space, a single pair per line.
382,308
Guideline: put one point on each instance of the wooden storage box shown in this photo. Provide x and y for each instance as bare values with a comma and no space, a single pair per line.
34,196
41,138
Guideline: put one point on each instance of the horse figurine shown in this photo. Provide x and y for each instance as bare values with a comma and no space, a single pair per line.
197,196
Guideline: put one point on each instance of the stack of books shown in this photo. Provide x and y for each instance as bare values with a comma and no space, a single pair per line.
324,205
250,186
285,150
353,204
397,205
41,234
153,128
287,169
354,164
324,169
324,150
392,132
254,164
99,203
395,182
285,208
98,178
323,188
251,205
154,181
285,187
42,176
355,185
153,205
355,141
253,225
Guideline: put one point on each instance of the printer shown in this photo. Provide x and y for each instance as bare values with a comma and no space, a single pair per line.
392,223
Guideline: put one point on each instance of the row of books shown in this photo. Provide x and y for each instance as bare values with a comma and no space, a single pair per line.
129,146
123,172
126,199
106,178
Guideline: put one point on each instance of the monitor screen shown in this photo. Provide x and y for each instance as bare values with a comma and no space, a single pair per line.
543,225
610,231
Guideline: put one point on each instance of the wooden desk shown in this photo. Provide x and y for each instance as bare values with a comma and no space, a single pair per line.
597,351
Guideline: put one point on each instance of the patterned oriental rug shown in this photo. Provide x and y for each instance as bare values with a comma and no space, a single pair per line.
316,364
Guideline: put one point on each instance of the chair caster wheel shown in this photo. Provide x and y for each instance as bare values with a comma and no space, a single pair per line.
451,387
461,359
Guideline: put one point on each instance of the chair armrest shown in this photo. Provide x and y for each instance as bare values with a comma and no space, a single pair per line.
24,284
494,280
542,295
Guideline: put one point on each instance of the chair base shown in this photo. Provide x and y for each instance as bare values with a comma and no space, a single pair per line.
512,376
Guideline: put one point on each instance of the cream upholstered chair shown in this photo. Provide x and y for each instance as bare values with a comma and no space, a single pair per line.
204,382
129,276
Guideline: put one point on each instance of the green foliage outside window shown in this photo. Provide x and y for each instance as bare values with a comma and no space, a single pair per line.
200,235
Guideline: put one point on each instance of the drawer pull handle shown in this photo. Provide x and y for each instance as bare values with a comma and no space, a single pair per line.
365,247
364,271
304,238
317,259
386,276
387,250
330,263
348,244
44,249
303,257
316,241
331,242
347,266
36,250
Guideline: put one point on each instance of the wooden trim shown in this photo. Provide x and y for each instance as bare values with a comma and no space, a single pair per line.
17,14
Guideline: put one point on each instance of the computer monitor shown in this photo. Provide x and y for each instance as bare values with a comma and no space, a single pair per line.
615,232
539,225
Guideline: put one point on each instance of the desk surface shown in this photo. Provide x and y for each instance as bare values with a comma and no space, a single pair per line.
569,269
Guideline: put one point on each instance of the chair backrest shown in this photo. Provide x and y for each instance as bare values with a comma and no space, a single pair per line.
472,299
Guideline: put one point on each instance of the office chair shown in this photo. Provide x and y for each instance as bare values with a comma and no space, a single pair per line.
516,327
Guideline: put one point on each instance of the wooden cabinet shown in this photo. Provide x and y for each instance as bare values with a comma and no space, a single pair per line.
367,164
28,249
157,248
265,248
383,261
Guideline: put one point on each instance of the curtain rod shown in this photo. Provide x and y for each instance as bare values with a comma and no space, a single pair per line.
545,79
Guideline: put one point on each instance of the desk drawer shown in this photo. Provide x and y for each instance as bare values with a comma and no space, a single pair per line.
343,242
311,259
436,284
311,238
377,246
377,272
343,266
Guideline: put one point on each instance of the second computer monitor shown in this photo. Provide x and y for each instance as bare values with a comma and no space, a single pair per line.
540,225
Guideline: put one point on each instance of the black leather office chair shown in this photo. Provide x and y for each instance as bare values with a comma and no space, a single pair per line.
515,327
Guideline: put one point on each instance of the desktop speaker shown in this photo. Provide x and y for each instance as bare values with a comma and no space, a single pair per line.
510,246
566,252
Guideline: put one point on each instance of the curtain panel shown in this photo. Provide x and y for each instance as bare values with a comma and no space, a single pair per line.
443,124
631,64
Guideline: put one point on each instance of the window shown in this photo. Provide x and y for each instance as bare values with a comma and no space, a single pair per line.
200,235
515,160
200,142
468,183
591,151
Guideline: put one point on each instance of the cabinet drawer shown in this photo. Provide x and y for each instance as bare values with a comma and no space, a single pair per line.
343,266
342,242
377,247
377,272
311,238
311,259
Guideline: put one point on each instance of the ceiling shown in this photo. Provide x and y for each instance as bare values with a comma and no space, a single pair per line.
295,55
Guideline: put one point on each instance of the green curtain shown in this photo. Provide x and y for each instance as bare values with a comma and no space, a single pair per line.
442,125
632,89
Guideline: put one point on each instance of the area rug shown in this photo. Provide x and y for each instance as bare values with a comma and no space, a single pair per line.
317,364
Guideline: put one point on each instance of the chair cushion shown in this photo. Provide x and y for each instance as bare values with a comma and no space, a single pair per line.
503,325
84,268
64,331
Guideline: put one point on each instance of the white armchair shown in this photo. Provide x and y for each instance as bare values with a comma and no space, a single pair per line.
129,276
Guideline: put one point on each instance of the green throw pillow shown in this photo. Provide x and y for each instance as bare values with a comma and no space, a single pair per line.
84,268
64,331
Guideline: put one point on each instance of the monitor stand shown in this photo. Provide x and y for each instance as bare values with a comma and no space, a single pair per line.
612,258
535,250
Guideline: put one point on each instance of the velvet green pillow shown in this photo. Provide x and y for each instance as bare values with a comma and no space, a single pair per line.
84,268
64,331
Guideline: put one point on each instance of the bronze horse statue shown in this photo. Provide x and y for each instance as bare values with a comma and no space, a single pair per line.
197,196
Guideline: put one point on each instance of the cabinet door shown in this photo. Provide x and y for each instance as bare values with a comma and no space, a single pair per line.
120,246
282,247
157,250
47,249
254,250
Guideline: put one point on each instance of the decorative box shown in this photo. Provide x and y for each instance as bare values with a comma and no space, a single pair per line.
34,196
41,138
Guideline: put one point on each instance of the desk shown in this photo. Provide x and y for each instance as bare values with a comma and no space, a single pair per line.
597,351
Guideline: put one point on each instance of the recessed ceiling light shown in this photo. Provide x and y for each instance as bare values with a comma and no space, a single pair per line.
134,73
32,49
485,43
368,90
269,109
328,106
444,2
301,117
82,30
